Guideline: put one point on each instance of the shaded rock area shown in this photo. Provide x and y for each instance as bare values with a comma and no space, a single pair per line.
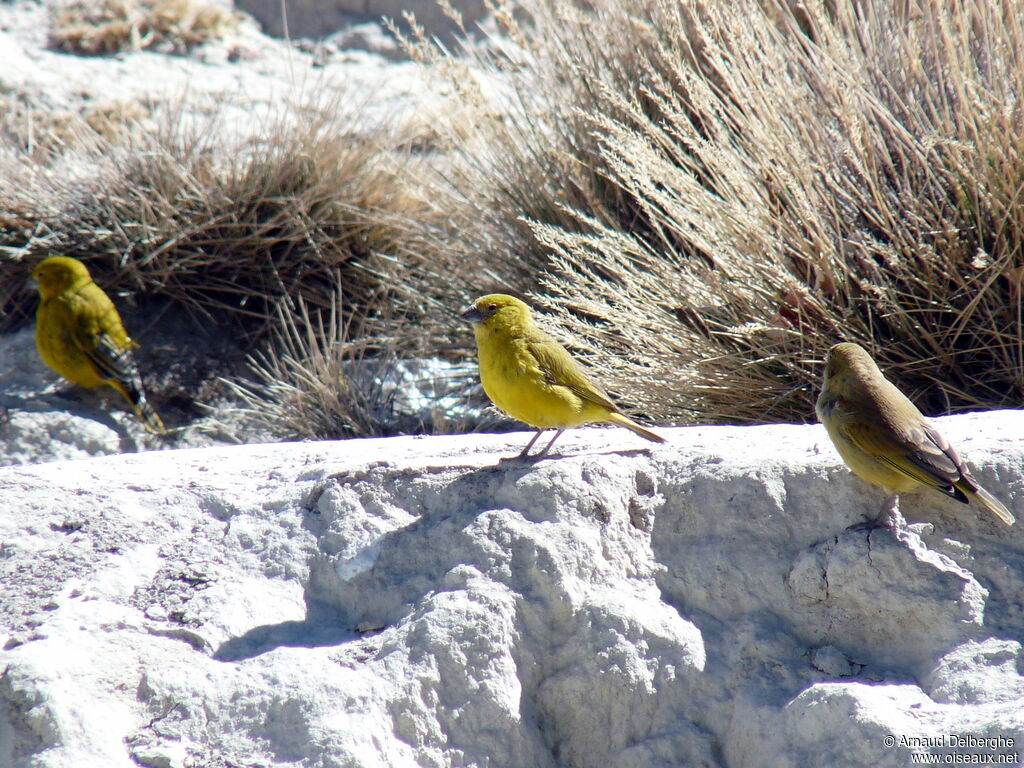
43,418
411,601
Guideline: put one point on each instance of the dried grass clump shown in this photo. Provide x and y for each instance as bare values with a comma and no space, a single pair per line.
317,380
517,134
740,185
299,388
40,135
104,27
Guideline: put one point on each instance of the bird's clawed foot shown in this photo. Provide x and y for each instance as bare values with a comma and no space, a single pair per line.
888,517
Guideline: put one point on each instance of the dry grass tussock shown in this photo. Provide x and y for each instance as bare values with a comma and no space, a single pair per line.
35,144
39,135
300,389
518,143
103,27
711,195
320,381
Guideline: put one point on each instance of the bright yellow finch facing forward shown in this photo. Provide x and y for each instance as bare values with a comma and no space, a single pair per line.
80,336
885,439
531,377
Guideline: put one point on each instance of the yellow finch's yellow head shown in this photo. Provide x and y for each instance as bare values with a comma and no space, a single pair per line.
497,310
58,273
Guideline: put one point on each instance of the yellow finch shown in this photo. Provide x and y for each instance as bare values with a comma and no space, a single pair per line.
531,377
885,439
80,335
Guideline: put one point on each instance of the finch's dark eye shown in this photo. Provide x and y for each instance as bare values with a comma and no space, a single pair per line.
492,307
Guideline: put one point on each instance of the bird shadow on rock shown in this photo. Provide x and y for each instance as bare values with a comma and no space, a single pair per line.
529,461
408,565
324,625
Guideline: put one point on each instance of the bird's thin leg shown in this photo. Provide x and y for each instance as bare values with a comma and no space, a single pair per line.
526,450
550,443
889,515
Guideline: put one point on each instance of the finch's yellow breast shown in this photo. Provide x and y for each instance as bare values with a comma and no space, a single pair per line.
865,466
517,385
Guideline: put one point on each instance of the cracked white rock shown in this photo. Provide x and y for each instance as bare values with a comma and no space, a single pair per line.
412,602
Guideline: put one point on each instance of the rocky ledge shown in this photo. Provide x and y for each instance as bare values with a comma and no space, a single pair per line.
410,601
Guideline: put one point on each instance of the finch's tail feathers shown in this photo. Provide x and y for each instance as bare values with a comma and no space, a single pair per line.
150,418
993,505
140,406
632,426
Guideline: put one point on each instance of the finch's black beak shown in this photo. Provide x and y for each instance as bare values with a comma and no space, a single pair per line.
472,315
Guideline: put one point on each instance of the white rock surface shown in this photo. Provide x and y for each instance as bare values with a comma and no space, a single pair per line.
410,602
232,86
